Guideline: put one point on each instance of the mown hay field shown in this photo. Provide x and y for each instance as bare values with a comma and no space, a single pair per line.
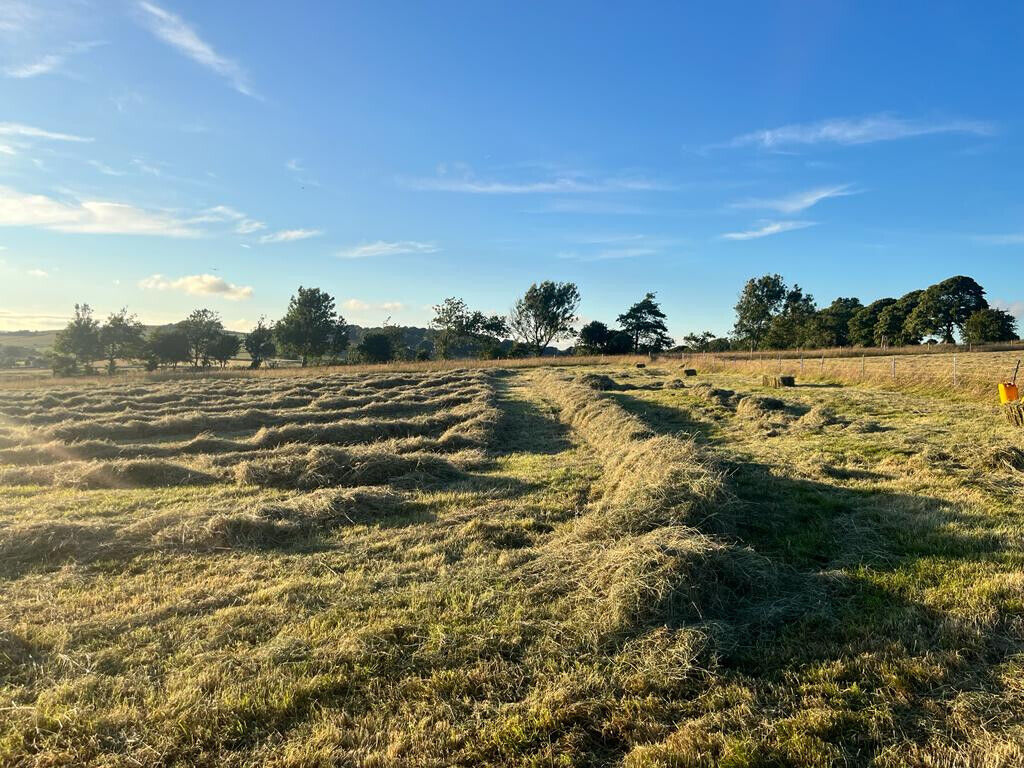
541,566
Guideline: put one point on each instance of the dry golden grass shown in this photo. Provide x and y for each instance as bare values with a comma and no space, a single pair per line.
920,370
509,567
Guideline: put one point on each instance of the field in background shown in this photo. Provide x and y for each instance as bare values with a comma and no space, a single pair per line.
498,565
910,369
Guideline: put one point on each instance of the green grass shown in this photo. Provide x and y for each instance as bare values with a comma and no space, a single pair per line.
638,577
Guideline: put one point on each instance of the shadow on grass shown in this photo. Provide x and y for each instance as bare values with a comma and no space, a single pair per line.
526,427
844,602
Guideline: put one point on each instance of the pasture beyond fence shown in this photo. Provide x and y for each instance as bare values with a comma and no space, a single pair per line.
972,374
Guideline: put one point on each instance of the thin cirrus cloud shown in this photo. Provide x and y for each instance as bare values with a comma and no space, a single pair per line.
243,224
567,184
174,31
197,285
22,131
857,130
290,235
358,305
768,228
386,248
48,63
799,201
19,209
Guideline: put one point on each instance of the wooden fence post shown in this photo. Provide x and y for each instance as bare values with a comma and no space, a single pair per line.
894,367
954,370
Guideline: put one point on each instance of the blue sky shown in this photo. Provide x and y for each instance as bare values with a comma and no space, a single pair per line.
175,154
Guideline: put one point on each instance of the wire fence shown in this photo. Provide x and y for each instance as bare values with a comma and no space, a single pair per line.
974,374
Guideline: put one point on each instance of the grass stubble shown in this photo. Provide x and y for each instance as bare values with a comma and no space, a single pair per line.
508,567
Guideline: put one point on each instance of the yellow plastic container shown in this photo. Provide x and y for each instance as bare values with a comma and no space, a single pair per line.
1007,392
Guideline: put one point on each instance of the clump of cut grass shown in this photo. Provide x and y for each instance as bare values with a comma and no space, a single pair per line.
818,417
713,395
599,381
325,467
674,384
758,406
1005,457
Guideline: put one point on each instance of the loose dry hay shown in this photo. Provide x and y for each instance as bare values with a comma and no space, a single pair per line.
713,395
298,520
93,475
1014,413
758,407
778,381
599,382
674,384
1004,457
324,467
636,557
819,417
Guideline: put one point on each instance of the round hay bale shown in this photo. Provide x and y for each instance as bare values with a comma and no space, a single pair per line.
689,372
778,381
641,365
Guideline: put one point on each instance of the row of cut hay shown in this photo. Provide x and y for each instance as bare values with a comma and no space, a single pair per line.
329,467
273,408
248,419
638,557
213,405
290,522
92,475
649,480
469,425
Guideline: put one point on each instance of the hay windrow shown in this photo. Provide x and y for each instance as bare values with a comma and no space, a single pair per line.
326,467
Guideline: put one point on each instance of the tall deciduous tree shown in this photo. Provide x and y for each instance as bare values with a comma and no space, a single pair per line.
861,328
986,326
545,313
167,346
201,329
376,348
80,338
224,347
946,306
259,343
645,324
311,328
760,301
892,328
122,337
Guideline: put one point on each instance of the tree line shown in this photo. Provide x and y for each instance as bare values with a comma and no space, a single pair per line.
312,331
773,315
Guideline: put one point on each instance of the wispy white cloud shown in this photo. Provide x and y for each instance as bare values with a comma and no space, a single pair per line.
359,306
243,225
799,201
198,285
609,254
768,228
592,207
294,164
50,62
386,248
558,184
290,235
105,169
856,130
174,31
18,209
1015,238
15,15
20,130
37,273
